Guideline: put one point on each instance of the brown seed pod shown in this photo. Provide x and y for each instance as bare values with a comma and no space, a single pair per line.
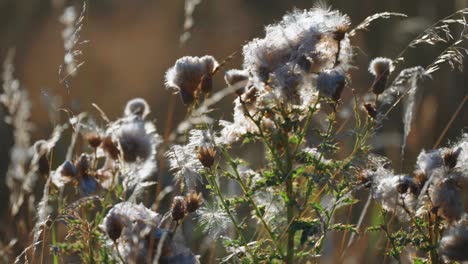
206,156
193,201
94,139
110,147
178,208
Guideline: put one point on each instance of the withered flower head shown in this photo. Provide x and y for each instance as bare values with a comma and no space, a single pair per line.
114,224
94,139
193,201
420,177
331,83
67,169
381,69
340,32
82,164
446,197
364,178
190,75
451,157
206,156
138,107
110,147
178,208
454,243
41,148
135,142
371,111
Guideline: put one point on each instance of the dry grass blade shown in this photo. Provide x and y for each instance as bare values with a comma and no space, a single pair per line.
368,20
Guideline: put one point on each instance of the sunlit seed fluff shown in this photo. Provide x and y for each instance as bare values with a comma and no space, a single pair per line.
138,224
190,75
297,39
428,161
214,220
185,164
381,69
394,194
331,83
380,65
135,142
454,243
237,77
137,107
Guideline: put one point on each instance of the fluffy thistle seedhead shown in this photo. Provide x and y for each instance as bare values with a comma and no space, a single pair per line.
381,69
191,75
304,41
178,208
193,201
454,243
134,140
446,199
381,66
137,107
331,83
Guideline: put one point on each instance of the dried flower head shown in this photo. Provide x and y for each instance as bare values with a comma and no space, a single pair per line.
420,177
331,83
137,107
190,75
110,147
82,164
193,201
454,243
114,224
67,169
178,208
340,32
371,111
451,157
381,69
64,174
237,77
446,198
135,142
94,139
206,156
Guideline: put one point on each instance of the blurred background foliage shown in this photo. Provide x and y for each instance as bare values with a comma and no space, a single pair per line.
133,42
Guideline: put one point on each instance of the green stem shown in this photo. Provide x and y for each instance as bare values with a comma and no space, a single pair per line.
211,179
251,201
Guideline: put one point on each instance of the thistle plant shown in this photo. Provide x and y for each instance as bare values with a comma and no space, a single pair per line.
105,201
